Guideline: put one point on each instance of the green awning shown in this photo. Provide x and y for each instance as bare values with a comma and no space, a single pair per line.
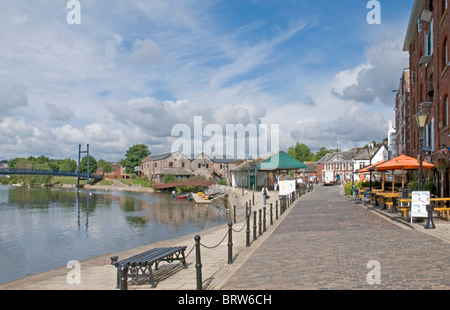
281,161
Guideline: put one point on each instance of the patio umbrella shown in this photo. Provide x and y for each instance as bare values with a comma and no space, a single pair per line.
370,169
403,163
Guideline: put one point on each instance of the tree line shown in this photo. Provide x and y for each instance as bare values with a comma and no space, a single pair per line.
133,158
302,153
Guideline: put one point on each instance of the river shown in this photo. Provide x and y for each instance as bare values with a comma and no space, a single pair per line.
41,229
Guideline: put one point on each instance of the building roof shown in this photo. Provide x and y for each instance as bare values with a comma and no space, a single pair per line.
312,166
281,161
412,26
338,157
157,157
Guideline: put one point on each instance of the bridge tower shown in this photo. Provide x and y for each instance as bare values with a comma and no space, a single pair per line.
79,162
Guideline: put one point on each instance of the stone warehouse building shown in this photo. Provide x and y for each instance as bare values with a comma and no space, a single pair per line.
426,42
157,166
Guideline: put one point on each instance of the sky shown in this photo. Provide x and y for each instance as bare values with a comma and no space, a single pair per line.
131,70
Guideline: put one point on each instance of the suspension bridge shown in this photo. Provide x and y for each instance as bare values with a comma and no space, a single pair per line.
79,175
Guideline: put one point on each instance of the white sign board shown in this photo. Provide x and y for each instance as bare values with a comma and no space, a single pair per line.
287,187
419,202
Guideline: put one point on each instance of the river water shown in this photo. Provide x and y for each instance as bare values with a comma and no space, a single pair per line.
41,229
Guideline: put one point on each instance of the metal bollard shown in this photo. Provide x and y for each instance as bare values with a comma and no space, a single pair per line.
254,225
276,209
430,223
271,214
234,214
260,222
123,272
248,229
230,243
264,220
198,263
114,260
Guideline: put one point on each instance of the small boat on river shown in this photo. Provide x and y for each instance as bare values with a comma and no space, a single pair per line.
184,196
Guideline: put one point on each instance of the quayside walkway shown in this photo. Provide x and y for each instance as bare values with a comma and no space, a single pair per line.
323,241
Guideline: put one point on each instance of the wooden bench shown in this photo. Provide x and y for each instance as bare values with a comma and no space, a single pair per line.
141,265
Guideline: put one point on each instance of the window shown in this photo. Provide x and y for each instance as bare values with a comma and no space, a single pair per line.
446,60
199,165
429,41
170,164
182,165
445,111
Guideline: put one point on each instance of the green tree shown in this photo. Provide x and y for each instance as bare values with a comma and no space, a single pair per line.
301,152
92,165
68,165
134,156
321,153
104,166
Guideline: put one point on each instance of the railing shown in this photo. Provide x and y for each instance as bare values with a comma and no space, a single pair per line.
48,172
259,228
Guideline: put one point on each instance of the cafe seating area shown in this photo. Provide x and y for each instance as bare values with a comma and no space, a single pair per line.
399,201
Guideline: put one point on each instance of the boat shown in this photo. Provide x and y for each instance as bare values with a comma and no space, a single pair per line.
183,196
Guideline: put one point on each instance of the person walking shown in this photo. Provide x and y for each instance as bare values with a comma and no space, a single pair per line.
265,194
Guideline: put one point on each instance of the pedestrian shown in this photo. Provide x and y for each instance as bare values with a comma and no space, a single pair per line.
265,194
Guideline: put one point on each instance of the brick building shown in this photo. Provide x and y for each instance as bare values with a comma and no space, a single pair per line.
427,43
403,115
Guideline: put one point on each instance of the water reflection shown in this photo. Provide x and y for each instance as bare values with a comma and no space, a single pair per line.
42,229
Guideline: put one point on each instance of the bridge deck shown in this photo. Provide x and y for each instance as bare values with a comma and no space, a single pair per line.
8,171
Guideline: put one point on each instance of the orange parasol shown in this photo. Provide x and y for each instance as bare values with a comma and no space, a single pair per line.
402,163
369,168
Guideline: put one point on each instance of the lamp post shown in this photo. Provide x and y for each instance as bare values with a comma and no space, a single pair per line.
421,118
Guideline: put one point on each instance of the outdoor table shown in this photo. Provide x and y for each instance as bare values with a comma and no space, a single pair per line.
438,203
388,198
440,207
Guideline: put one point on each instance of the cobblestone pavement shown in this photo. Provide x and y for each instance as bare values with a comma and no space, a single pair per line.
329,242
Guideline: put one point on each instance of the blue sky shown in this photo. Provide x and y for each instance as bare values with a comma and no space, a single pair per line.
133,69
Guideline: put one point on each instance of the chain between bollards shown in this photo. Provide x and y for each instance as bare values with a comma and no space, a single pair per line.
198,264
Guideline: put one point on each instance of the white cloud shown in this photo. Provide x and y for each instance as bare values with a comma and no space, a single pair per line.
375,82
146,52
59,113
12,97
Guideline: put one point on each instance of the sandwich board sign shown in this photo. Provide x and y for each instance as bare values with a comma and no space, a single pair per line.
419,202
286,187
